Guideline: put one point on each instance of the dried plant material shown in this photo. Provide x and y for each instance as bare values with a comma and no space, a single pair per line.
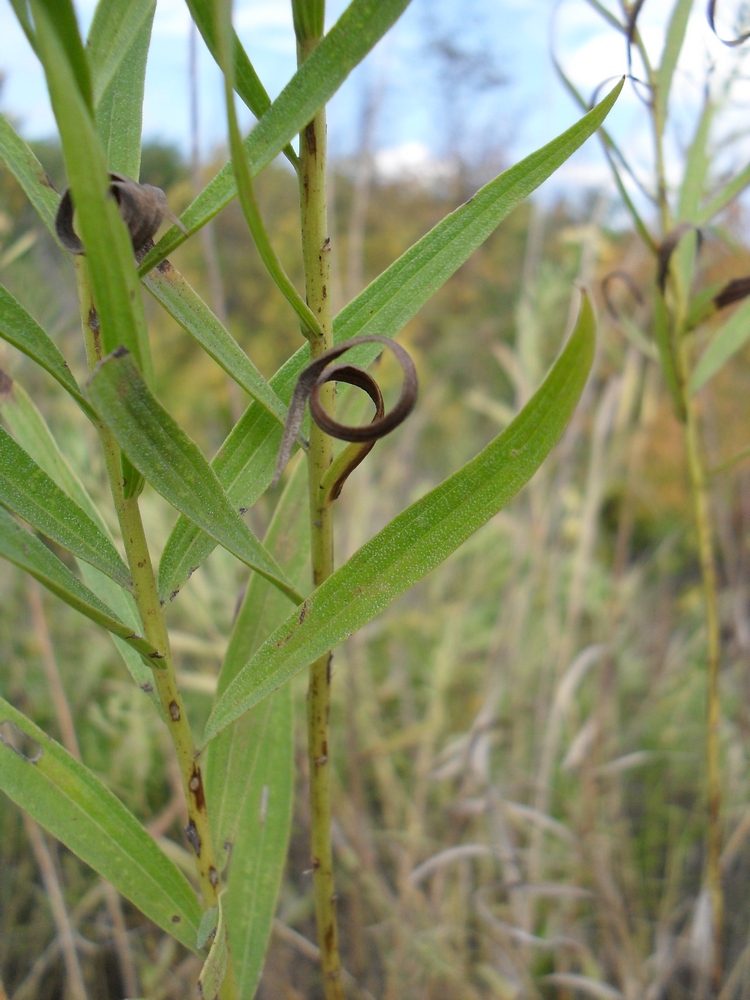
314,376
668,246
731,42
733,291
143,207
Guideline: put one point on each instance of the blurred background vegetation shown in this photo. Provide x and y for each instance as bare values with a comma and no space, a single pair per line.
519,740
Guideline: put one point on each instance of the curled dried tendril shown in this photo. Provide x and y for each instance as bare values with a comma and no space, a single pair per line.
142,207
314,377
730,42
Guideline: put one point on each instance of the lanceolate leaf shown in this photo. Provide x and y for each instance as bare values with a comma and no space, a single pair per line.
672,47
29,173
31,554
361,25
33,434
29,492
18,328
172,462
74,806
726,341
245,463
112,36
108,248
249,768
119,106
419,539
184,305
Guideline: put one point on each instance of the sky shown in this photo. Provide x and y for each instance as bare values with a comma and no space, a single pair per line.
501,100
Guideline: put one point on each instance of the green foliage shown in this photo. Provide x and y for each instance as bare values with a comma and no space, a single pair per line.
240,813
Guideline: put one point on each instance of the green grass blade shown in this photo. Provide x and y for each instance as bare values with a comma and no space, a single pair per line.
31,554
173,463
676,29
119,110
108,248
726,341
360,27
420,538
258,753
28,491
246,461
247,83
76,808
113,36
185,306
21,330
30,430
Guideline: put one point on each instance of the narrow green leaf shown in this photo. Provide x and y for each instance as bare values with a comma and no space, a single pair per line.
76,808
119,108
28,491
360,27
245,463
250,767
420,538
247,83
31,554
29,173
108,248
21,9
173,463
60,16
727,194
215,967
726,341
21,330
676,29
185,306
32,433
112,37
696,166
614,157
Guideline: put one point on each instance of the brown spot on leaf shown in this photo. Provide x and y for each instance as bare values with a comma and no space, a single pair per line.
196,789
174,711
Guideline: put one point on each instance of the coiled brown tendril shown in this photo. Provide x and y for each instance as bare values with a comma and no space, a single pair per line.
730,42
314,377
142,207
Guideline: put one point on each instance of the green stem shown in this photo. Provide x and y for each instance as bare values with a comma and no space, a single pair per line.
245,189
701,512
153,622
316,258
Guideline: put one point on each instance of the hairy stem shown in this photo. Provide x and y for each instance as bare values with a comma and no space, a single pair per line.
153,623
316,257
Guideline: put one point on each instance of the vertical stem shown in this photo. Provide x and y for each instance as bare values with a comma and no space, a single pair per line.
316,258
153,623
701,512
